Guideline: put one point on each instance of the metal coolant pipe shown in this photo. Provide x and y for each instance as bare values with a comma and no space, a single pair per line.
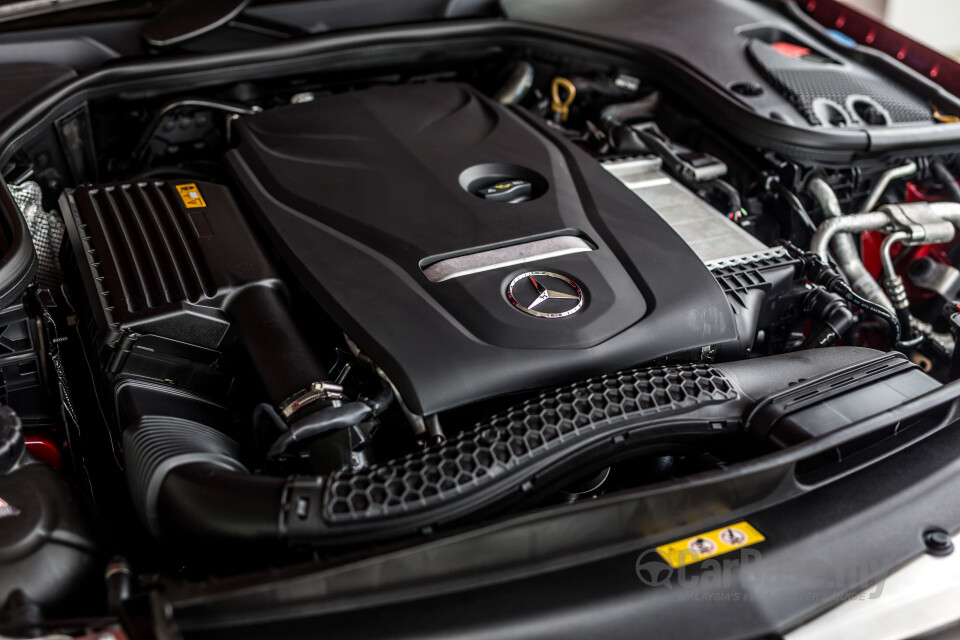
835,233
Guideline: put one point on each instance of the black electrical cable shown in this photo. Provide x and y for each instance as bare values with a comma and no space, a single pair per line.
903,316
796,206
824,337
729,193
843,289
819,272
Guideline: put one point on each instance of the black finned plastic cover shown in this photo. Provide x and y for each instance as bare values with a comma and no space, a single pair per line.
360,191
147,253
160,262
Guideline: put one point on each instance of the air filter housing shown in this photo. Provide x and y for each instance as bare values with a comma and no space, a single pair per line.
158,260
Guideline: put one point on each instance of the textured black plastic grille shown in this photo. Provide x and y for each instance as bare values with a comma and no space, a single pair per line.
520,436
802,82
142,247
747,274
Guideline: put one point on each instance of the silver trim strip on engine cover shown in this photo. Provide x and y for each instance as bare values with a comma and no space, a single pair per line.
505,257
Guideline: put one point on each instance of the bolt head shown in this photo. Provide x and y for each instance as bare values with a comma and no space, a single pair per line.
938,542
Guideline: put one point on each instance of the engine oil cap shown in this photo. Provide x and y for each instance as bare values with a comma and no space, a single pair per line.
511,191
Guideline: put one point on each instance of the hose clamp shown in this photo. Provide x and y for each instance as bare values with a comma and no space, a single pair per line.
316,392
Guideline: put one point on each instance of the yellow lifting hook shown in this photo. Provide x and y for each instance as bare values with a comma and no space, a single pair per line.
562,107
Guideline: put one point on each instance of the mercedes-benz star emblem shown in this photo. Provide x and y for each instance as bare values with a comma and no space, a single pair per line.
545,294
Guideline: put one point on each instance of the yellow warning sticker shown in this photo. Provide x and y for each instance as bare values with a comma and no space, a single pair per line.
707,545
191,196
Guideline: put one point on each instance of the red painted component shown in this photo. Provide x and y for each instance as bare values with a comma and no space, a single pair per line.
790,50
870,248
916,193
865,30
43,447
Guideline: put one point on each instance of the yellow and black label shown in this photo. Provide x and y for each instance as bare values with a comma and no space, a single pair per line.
707,545
190,195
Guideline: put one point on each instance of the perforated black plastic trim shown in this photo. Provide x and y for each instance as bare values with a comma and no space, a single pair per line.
517,438
746,274
804,82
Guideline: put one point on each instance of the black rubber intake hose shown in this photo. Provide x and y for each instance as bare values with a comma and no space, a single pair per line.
198,468
279,351
331,419
949,181
833,318
187,481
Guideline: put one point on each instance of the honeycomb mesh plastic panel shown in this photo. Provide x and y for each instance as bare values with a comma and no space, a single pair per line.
495,450
803,82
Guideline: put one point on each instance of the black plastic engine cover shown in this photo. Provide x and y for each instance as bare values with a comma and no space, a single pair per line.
360,192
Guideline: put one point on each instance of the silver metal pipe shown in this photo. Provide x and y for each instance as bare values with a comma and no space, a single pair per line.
947,210
828,233
903,171
886,255
893,282
826,196
835,233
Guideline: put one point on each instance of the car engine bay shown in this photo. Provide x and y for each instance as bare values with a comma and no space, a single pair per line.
299,313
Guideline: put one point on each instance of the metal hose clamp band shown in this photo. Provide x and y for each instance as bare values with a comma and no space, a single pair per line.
316,392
